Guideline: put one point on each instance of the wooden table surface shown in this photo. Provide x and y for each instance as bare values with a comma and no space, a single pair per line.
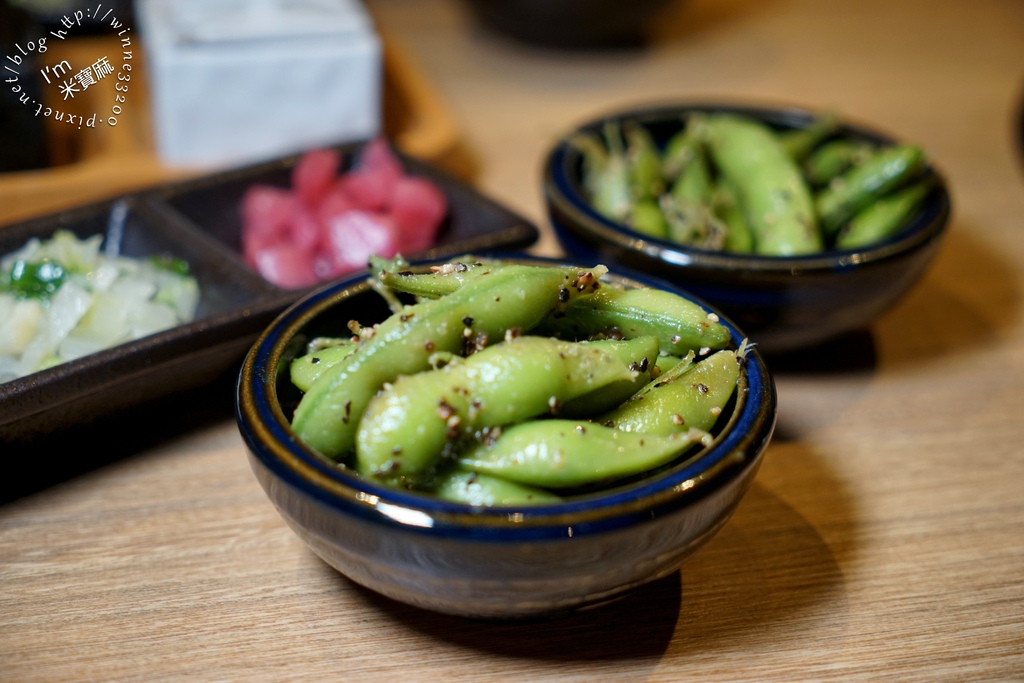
883,538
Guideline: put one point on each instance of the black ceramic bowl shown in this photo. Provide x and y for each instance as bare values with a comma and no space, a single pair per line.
783,303
495,562
570,23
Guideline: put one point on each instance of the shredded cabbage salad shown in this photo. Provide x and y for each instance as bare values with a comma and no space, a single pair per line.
64,298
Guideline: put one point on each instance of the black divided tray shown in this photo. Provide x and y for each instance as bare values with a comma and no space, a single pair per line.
161,384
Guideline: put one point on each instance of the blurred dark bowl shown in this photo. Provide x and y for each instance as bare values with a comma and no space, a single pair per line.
783,303
570,23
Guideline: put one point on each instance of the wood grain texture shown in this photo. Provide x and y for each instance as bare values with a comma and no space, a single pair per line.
882,540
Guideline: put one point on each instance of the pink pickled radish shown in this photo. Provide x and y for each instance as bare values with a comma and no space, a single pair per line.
368,190
285,265
305,230
378,157
314,173
355,236
418,207
266,214
329,223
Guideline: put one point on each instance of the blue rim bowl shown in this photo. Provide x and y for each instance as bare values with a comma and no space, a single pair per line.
499,562
785,303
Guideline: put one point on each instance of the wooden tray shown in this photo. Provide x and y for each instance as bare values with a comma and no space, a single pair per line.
105,162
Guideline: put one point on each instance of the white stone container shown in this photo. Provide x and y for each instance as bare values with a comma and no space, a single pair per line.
238,81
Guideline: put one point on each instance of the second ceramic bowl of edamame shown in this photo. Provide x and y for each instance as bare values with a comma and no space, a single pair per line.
786,301
491,561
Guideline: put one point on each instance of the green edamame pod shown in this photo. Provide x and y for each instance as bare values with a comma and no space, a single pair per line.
682,148
799,142
876,176
605,173
834,158
679,324
772,190
559,454
726,203
406,426
440,281
690,397
304,370
482,310
640,354
693,184
646,218
473,488
692,223
884,217
667,361
672,366
643,160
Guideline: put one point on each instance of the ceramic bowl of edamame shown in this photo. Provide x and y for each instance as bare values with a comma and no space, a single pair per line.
798,225
504,436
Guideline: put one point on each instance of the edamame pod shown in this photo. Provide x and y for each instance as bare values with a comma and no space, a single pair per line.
726,203
772,190
693,184
682,148
643,162
640,354
882,172
559,454
481,311
440,281
799,142
304,370
692,223
834,158
683,398
686,208
473,488
646,218
406,426
884,217
667,361
605,173
679,324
